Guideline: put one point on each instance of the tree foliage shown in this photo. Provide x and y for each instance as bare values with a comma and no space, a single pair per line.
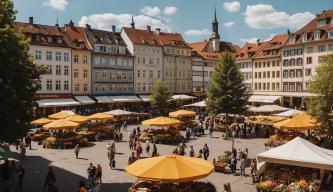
321,105
226,91
18,77
159,96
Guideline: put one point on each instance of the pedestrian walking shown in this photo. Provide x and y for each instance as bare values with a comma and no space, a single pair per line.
191,153
98,176
20,173
91,175
147,147
242,167
205,151
125,125
254,170
131,159
50,180
154,153
77,150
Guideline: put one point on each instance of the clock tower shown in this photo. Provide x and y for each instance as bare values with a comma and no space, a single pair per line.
215,38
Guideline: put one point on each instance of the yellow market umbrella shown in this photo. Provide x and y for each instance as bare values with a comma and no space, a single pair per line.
78,119
61,124
61,115
41,121
299,122
170,169
161,122
182,113
100,116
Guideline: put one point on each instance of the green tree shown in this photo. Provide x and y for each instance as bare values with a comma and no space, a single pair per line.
226,91
18,77
321,105
159,96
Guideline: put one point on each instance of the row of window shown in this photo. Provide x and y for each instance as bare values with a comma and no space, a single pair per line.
293,62
112,61
147,50
179,61
49,56
76,59
292,52
181,73
197,63
76,73
266,64
267,86
114,75
144,60
245,65
109,49
171,86
266,74
114,88
298,73
292,87
178,51
77,87
247,75
57,85
58,71
150,74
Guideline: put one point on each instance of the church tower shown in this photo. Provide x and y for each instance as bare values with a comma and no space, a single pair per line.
132,23
215,38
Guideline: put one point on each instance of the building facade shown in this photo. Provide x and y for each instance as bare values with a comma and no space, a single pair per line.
51,48
211,50
81,60
112,63
197,73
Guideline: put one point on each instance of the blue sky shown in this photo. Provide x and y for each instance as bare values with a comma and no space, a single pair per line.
239,21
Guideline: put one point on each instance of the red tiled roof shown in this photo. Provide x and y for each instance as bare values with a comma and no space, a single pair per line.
312,26
204,48
43,32
77,35
155,38
243,53
274,44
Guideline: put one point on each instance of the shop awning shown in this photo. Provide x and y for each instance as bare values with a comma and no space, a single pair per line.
268,109
198,104
57,102
299,152
84,100
263,98
287,94
118,99
145,98
119,112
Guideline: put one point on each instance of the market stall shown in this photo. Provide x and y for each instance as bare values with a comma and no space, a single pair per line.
298,162
120,115
61,115
41,121
100,117
164,171
78,119
169,135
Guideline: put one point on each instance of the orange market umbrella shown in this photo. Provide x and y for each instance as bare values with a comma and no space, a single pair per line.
61,124
182,113
170,168
61,115
161,122
41,121
299,122
100,116
78,119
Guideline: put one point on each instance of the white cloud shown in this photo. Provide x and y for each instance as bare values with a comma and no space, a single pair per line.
105,21
150,11
228,24
170,10
197,32
56,4
233,6
249,40
264,16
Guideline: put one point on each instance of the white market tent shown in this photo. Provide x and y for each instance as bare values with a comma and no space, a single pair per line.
263,98
119,112
118,99
84,100
299,152
182,97
57,102
198,104
268,109
291,112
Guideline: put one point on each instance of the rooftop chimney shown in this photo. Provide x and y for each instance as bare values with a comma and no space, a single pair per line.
113,29
258,42
148,28
88,26
158,30
71,23
31,20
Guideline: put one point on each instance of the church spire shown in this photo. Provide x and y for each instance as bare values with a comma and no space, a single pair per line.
215,18
132,23
215,27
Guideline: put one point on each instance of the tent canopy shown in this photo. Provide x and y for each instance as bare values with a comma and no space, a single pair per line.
268,109
182,113
263,98
85,100
61,115
118,99
41,121
61,124
161,122
57,102
291,112
299,152
182,97
198,104
120,112
299,122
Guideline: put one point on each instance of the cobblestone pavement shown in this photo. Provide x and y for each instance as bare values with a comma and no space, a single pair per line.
69,171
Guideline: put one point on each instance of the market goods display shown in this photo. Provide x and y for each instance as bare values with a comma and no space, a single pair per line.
161,136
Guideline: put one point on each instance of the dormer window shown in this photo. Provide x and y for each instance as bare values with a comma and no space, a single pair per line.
81,45
317,35
49,39
305,37
292,39
330,34
322,22
59,40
